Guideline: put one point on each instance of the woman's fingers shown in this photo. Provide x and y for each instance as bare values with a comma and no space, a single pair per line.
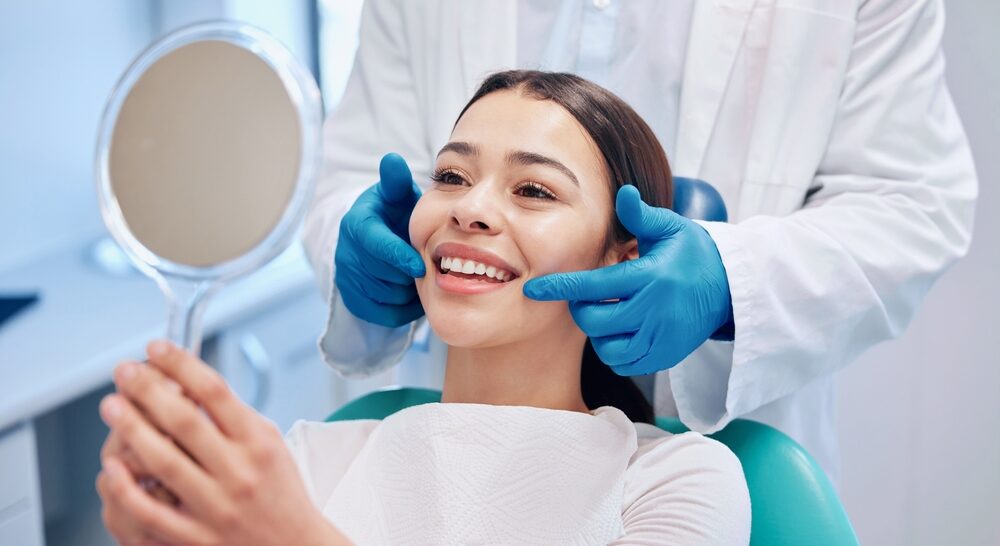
132,515
125,531
164,459
203,385
114,447
163,404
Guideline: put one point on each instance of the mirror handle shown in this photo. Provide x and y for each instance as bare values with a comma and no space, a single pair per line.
186,302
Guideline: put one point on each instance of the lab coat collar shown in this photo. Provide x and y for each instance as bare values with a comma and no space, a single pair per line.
717,28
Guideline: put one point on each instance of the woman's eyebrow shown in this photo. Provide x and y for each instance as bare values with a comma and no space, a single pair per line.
517,157
460,148
520,157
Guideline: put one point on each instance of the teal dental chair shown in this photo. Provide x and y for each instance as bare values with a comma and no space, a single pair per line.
792,501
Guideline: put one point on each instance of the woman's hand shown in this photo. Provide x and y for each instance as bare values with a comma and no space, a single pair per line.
125,529
235,479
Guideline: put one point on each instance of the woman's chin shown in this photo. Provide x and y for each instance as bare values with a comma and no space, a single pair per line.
455,334
468,328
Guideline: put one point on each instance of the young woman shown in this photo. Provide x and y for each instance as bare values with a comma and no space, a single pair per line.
535,442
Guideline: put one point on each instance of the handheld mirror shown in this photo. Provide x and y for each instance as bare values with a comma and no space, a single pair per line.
205,160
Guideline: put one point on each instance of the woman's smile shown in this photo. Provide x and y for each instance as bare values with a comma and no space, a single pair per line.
467,284
469,270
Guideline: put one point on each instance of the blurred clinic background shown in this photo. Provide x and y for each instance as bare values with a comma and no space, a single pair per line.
919,418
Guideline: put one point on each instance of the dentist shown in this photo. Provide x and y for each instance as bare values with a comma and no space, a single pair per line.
826,126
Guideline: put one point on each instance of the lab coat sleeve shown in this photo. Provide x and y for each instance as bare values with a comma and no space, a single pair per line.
685,489
894,209
377,114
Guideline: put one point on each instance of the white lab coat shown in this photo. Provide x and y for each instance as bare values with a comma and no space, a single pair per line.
826,126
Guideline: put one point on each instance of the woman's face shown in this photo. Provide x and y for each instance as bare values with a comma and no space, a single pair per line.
519,191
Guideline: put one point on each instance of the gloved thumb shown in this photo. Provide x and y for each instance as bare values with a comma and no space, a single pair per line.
643,221
395,181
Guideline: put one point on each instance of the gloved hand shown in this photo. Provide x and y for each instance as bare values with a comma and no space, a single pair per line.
374,262
671,299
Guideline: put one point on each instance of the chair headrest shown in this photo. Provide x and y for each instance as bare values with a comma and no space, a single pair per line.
698,200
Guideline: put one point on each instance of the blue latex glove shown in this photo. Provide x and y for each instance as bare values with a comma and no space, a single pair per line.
375,264
671,299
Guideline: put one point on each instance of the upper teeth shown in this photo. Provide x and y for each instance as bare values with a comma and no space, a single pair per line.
472,267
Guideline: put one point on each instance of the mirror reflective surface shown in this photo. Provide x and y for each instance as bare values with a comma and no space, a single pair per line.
205,154
205,161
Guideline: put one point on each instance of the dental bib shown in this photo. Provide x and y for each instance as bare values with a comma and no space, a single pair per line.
480,474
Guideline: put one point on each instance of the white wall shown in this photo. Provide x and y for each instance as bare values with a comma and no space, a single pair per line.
58,63
920,416
288,21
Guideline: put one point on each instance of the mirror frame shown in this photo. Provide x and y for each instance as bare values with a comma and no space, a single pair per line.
305,97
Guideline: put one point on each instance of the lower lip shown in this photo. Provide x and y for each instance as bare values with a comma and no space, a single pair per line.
458,285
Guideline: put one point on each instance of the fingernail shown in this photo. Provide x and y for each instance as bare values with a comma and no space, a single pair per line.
111,409
158,348
127,371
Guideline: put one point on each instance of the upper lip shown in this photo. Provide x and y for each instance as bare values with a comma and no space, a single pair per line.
458,250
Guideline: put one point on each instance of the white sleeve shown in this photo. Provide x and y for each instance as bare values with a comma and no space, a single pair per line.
892,210
377,114
685,489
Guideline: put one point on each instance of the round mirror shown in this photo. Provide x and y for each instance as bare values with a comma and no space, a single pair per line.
205,160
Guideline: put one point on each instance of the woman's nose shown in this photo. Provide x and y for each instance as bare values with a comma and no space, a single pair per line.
477,211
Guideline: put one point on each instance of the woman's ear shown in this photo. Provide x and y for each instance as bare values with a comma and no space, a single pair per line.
623,252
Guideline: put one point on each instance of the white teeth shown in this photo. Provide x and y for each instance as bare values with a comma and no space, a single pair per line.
471,267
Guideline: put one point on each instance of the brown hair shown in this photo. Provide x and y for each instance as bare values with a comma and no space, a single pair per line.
632,155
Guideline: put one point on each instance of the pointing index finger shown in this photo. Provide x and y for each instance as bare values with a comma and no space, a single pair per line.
617,281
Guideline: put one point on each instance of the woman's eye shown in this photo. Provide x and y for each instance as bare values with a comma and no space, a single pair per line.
533,190
450,178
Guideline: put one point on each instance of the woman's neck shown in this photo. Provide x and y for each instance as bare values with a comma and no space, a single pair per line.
542,372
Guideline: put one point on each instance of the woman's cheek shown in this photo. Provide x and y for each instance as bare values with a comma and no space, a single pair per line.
572,250
420,229
420,226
